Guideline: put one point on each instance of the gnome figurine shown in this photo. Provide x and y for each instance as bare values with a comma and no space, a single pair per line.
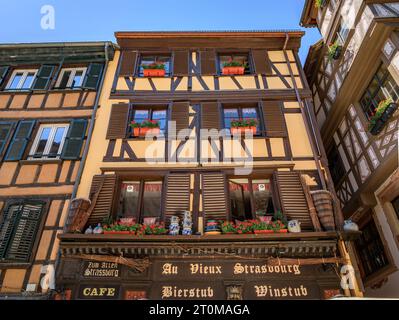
187,223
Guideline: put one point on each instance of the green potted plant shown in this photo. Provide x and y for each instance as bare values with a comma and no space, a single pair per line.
228,227
146,126
280,222
240,126
116,229
155,229
263,216
320,3
384,111
155,69
260,227
232,67
244,227
334,51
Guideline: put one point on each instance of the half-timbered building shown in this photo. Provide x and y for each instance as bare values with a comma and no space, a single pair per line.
351,90
48,98
213,175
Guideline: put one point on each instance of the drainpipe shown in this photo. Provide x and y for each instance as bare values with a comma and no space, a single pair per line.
319,154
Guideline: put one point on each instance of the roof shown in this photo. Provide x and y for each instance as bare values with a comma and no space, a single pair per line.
208,33
309,14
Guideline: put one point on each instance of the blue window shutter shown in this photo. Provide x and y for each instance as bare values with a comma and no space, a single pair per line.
20,140
93,76
43,77
74,140
5,133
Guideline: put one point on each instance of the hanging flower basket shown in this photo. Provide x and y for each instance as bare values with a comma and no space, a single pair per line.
153,70
242,126
382,114
233,68
334,51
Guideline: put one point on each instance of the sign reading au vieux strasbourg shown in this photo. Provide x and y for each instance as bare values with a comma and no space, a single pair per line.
209,279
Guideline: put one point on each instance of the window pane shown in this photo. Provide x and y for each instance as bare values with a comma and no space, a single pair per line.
140,115
42,141
55,146
262,196
229,115
240,201
152,199
77,79
129,199
28,81
15,80
160,116
65,79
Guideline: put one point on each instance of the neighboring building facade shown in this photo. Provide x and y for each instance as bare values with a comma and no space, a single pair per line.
346,92
136,177
48,99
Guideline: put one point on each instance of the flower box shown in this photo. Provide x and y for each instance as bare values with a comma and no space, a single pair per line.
379,123
282,231
334,51
116,232
233,70
154,72
242,130
263,231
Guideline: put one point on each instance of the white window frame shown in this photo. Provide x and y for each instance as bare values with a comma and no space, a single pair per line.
23,78
49,142
71,77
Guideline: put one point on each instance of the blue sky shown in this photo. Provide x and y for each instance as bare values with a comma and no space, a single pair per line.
90,20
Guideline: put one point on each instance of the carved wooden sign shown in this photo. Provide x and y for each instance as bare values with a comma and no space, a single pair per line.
103,291
96,269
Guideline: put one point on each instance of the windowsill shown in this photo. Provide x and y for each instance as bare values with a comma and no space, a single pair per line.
6,91
40,161
14,265
237,75
379,275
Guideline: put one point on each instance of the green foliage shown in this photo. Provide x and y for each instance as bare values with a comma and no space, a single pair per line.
244,123
233,63
332,49
378,112
154,65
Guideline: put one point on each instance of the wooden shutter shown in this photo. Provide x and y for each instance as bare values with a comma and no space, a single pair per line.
74,139
208,62
20,140
43,77
128,63
292,198
93,76
180,63
5,133
177,197
214,200
274,119
18,230
3,73
261,61
180,114
101,194
210,115
117,125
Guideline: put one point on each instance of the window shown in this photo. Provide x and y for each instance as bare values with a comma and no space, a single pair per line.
342,33
152,113
140,199
249,197
370,250
242,58
19,224
381,87
335,165
236,113
70,78
21,79
150,59
49,141
395,204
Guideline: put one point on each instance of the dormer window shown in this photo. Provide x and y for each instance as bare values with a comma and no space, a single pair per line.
71,78
21,79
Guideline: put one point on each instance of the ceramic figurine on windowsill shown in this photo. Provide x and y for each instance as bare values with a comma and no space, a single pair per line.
349,225
187,224
174,227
